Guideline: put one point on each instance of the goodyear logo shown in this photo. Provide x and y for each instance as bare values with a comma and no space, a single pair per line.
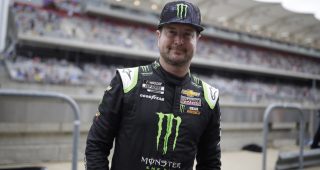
182,10
172,130
190,93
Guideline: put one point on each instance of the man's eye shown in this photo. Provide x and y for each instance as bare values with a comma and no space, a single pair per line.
172,33
188,35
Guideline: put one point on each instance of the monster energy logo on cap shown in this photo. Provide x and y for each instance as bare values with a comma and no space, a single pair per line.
182,10
168,131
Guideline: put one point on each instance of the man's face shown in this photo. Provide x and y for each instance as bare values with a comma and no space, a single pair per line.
177,43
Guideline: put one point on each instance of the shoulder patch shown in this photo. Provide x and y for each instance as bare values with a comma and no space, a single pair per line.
195,82
146,70
211,94
129,77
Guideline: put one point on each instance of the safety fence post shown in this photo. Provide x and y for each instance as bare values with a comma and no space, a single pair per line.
69,100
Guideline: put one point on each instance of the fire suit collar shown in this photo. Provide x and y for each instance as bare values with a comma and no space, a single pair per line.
170,78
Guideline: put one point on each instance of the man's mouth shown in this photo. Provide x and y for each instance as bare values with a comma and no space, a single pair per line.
177,50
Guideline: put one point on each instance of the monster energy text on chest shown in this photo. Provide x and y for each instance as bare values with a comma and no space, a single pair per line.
182,10
159,164
168,131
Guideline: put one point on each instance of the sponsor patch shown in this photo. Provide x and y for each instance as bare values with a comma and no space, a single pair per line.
147,74
190,101
182,108
189,109
152,97
190,93
195,85
145,71
196,80
193,110
145,68
156,65
153,86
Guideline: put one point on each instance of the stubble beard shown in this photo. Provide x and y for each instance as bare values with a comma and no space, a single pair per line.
171,61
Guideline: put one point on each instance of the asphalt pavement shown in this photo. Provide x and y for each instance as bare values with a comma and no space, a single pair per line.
237,160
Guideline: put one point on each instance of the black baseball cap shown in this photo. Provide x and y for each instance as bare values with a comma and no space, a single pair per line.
181,12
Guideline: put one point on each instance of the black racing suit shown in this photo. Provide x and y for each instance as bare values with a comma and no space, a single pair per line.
158,121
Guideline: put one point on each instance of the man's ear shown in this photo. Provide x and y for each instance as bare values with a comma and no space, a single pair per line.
199,35
158,32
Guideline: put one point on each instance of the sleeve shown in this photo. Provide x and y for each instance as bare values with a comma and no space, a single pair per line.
209,151
104,127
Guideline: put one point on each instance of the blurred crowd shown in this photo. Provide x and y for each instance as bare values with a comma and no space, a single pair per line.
54,71
41,22
38,21
257,91
51,23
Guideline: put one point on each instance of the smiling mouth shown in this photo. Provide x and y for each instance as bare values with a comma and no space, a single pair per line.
179,51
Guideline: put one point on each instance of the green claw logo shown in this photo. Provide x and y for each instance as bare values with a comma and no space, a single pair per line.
182,108
145,68
182,10
169,121
196,79
156,65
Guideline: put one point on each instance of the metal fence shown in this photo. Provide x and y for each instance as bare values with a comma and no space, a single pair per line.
67,99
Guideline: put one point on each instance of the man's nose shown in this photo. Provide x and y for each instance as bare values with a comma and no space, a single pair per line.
178,39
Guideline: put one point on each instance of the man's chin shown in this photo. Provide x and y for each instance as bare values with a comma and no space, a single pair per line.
178,62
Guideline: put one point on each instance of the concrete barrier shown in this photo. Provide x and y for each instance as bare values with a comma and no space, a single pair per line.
290,160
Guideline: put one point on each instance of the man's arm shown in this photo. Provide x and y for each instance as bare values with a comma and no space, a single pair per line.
104,128
209,151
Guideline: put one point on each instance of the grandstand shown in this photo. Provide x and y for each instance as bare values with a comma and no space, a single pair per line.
74,48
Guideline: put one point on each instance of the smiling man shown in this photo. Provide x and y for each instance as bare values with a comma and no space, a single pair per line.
160,115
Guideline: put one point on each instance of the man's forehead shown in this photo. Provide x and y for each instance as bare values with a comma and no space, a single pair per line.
183,27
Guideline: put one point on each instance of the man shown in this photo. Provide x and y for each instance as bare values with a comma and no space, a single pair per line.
160,115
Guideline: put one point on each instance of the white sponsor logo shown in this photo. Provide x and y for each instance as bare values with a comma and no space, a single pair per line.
152,97
153,86
148,86
154,83
190,101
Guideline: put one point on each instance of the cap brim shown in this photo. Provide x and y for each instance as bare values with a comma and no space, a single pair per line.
198,28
